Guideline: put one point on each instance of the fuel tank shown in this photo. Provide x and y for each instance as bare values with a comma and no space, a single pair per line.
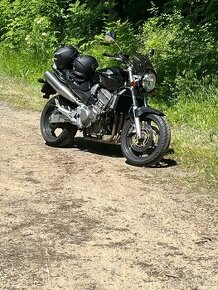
111,78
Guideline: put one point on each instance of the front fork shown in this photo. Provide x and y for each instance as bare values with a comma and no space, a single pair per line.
137,123
135,105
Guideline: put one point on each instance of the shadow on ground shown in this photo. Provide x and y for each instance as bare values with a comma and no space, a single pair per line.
97,147
113,151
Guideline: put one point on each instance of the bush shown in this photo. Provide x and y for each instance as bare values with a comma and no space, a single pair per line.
41,40
126,41
82,21
30,24
182,53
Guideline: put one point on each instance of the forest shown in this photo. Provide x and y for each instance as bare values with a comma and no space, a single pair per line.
183,34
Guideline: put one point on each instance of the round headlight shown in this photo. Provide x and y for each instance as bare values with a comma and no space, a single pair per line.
149,81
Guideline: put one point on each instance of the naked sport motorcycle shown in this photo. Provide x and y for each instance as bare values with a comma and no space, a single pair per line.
108,105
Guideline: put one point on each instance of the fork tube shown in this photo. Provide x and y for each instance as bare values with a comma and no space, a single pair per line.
135,106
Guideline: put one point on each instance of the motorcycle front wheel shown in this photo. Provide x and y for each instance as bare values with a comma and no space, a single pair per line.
56,134
154,144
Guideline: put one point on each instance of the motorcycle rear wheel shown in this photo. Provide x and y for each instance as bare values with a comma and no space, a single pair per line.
156,140
56,134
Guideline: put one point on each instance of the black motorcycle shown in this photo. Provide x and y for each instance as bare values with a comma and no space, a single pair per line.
108,105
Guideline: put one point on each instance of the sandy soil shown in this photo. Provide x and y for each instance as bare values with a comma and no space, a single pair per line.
81,218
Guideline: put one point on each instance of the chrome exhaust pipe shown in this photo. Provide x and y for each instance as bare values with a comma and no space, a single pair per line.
60,88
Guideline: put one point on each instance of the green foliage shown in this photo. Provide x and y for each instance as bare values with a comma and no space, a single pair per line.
18,23
124,33
183,54
41,38
3,16
83,20
197,11
29,25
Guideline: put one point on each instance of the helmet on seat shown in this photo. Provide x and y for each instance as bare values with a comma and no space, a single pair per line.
65,56
84,66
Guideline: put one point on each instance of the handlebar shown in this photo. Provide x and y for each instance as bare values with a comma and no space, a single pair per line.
110,54
119,57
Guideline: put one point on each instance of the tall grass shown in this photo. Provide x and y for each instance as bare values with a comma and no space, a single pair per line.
19,72
20,93
196,150
25,65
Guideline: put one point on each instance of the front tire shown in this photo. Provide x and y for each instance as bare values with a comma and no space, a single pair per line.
150,150
56,134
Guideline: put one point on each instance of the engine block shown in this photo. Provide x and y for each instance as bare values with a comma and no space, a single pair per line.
103,98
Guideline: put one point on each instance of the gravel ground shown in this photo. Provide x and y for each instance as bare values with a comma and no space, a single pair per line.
81,218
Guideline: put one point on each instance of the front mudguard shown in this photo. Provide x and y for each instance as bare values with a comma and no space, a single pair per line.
142,112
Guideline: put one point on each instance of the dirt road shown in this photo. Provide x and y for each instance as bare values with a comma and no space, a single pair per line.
81,218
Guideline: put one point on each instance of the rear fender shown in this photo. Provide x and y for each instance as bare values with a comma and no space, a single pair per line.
48,90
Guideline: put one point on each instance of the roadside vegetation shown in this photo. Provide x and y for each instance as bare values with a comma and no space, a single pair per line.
183,34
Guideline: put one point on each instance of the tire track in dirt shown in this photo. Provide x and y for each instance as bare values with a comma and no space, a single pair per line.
81,218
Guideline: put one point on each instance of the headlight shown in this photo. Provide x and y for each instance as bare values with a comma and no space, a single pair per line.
149,81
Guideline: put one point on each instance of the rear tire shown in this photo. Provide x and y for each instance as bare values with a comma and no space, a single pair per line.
59,134
156,140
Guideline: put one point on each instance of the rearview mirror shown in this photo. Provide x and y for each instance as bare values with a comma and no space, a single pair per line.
110,36
151,52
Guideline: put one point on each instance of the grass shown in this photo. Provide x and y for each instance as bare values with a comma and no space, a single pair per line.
194,126
195,129
18,79
197,151
20,93
24,65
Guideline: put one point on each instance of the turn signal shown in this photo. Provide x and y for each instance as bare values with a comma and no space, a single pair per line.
132,84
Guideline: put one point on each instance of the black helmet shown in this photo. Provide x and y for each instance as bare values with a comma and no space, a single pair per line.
65,56
84,66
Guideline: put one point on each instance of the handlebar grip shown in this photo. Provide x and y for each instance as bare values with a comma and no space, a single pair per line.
109,54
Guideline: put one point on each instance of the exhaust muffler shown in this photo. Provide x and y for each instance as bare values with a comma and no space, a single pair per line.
61,88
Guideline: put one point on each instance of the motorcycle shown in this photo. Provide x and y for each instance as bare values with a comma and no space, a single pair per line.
108,105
